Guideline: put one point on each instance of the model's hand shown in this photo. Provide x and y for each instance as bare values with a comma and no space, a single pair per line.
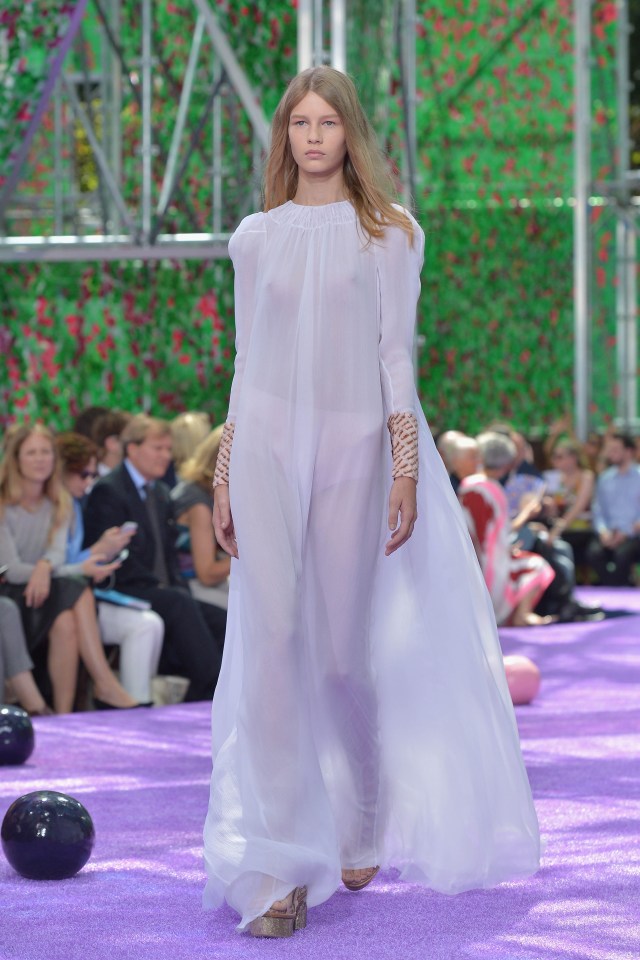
96,568
402,501
223,521
39,585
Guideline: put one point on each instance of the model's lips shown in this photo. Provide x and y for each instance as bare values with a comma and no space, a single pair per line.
314,153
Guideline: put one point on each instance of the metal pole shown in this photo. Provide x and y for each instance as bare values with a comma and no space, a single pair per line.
181,119
216,149
408,66
58,180
318,33
146,118
115,111
305,34
339,35
235,74
582,179
626,339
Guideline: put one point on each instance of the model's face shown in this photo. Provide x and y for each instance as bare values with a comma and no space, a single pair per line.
152,456
78,483
317,137
36,458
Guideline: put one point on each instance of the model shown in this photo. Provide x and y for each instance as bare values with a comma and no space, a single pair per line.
362,718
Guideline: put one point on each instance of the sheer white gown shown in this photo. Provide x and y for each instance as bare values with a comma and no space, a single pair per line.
362,714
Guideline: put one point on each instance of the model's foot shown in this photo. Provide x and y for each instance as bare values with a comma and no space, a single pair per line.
358,879
283,917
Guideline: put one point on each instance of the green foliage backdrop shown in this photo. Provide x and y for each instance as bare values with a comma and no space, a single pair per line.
494,178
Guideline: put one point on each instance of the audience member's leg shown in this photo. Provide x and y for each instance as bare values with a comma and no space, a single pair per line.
139,634
624,558
106,685
189,649
600,559
63,661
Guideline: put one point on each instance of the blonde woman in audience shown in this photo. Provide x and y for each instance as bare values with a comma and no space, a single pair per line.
35,511
187,431
193,503
570,485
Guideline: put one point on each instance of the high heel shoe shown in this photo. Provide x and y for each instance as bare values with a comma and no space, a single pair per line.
282,921
368,875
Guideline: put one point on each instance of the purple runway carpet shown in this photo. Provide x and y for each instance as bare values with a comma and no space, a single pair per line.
143,775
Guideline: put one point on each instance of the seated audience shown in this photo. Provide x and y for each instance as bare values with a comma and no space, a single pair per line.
187,430
445,445
201,557
57,609
106,434
16,664
516,580
570,485
616,515
194,632
138,633
86,419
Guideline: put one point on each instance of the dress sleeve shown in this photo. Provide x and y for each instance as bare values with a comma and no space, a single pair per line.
398,274
245,248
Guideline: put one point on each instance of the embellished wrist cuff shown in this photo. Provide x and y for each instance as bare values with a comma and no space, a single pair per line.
221,473
403,428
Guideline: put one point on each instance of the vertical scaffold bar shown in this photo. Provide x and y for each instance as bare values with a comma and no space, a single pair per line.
626,336
146,118
582,180
339,35
305,34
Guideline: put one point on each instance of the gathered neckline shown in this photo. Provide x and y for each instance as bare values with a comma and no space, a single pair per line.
307,215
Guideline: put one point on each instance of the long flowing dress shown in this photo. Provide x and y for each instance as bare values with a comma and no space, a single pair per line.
362,715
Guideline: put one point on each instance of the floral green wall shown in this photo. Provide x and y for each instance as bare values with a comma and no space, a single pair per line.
494,178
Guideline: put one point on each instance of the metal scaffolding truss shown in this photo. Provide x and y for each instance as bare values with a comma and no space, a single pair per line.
620,194
115,227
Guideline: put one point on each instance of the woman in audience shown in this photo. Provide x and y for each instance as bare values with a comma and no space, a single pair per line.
16,664
138,633
35,511
516,580
193,503
571,486
187,430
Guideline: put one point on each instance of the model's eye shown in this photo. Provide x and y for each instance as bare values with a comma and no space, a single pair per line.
330,123
299,123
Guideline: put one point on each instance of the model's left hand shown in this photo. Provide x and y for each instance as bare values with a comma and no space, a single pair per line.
402,501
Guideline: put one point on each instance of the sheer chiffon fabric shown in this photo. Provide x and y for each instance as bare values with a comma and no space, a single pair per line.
362,714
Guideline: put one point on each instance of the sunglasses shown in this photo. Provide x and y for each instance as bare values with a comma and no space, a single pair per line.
89,474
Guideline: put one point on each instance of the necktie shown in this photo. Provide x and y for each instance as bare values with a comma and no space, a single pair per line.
159,562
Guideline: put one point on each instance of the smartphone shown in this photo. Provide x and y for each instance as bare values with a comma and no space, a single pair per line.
122,556
129,527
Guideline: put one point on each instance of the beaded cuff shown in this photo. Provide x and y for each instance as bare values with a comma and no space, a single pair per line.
403,428
221,473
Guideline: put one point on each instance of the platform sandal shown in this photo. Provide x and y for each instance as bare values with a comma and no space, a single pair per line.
368,874
283,920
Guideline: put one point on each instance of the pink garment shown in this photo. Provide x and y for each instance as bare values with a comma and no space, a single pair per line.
509,573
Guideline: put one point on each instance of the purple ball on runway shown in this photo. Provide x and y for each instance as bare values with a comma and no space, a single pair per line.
47,835
16,735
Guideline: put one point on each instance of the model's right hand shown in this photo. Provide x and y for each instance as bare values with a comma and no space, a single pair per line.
223,521
39,585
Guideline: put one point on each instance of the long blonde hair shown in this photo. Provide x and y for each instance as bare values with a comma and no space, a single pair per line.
367,180
11,482
200,468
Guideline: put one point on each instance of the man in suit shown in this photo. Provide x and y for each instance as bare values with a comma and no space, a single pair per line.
133,491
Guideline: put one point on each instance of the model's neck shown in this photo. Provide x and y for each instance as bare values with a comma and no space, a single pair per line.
317,191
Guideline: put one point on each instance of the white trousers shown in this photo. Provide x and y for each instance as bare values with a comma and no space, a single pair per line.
139,634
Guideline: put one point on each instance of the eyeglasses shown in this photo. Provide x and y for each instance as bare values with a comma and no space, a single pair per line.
89,474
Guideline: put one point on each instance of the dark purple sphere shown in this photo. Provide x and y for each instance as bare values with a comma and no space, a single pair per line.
16,735
47,835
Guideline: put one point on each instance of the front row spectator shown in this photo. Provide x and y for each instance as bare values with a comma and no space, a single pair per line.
194,632
206,564
138,633
16,664
56,608
616,515
516,580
